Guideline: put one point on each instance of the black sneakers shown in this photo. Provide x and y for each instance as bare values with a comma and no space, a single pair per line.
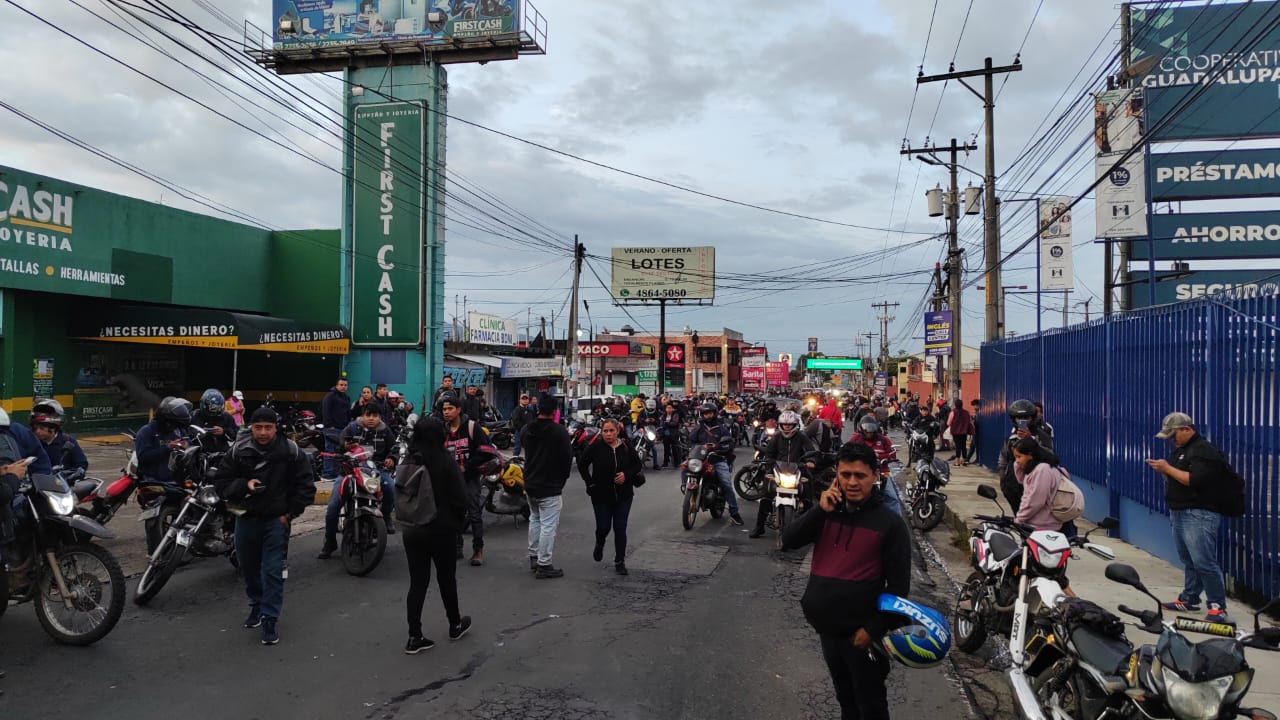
598,553
533,563
620,568
757,533
330,547
544,572
269,634
417,645
254,620
457,631
735,518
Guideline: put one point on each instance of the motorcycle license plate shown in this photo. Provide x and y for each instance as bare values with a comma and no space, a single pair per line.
149,513
184,538
788,500
692,485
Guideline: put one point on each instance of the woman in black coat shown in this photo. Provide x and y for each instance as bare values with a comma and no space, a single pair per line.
610,468
433,543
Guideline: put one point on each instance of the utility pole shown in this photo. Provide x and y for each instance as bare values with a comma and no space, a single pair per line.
951,208
571,344
884,331
1066,300
1085,303
991,216
939,292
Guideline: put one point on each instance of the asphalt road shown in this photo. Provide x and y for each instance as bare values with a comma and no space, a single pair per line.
707,625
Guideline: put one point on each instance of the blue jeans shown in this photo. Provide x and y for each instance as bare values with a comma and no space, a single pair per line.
1195,534
334,507
331,438
544,518
725,475
515,438
890,492
260,548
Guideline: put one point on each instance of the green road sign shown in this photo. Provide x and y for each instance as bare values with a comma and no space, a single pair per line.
388,210
833,363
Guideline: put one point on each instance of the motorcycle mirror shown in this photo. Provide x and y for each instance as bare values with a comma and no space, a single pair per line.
1273,603
1108,523
987,492
1257,714
1125,575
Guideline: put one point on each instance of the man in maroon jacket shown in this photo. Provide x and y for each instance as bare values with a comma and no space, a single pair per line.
861,549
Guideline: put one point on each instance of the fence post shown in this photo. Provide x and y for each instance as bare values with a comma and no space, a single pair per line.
1113,497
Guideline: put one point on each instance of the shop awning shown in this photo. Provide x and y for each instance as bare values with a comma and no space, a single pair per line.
485,360
218,329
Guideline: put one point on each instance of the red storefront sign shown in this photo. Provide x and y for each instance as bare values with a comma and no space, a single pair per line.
604,349
777,373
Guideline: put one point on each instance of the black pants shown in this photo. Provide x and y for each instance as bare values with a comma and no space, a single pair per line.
475,513
766,507
858,676
671,450
961,446
613,515
423,548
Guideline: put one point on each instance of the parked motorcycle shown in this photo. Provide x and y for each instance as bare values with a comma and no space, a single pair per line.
77,587
504,489
581,435
162,501
702,489
645,444
203,527
926,503
1018,580
500,433
364,532
1081,664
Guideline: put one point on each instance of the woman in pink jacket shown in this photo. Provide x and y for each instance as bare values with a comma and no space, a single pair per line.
1039,475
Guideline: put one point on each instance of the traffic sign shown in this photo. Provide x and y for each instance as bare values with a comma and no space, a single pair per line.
833,363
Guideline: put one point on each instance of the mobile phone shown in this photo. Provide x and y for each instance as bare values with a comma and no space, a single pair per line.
28,460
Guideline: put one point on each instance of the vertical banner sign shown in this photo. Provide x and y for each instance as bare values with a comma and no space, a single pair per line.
937,333
42,379
813,345
674,364
753,368
1055,243
1122,195
389,201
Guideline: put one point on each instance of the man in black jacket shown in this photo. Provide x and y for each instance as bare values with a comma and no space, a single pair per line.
271,477
370,431
860,550
548,460
335,413
789,445
521,416
1200,488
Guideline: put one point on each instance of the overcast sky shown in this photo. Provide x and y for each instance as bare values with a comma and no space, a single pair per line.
800,107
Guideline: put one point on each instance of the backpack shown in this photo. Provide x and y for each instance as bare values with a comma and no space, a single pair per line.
1068,500
1233,495
415,498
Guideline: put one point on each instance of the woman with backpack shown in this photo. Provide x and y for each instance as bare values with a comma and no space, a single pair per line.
431,507
1041,477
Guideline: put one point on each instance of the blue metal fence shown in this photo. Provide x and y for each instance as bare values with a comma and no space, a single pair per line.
1107,385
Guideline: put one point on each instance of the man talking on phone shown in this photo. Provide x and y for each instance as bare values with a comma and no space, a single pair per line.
861,549
267,475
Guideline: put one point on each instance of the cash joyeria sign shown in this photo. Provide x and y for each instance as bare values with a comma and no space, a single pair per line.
387,224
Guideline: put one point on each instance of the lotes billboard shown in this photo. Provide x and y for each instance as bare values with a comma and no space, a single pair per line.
664,273
322,24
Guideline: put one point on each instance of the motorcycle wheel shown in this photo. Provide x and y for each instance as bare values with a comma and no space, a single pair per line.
689,509
1055,689
748,483
784,518
94,577
717,509
970,630
927,512
158,526
363,543
502,442
159,570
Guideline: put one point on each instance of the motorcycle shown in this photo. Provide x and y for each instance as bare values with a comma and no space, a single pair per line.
203,527
1018,580
504,489
162,501
926,503
364,532
500,434
645,446
77,587
702,489
750,479
581,436
788,482
1081,664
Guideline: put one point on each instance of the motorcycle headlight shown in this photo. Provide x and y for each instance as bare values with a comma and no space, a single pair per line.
695,465
650,434
787,481
62,503
1195,701
370,480
208,495
921,466
755,423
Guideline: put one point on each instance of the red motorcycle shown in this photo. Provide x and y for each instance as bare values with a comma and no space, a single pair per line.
100,500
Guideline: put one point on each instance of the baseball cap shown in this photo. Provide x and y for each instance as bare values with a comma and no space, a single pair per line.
237,395
1173,421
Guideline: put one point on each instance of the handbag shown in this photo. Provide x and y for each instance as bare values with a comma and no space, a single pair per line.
1068,500
639,480
415,497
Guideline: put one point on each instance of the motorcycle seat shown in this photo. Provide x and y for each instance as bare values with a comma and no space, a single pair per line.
1003,546
1107,654
84,488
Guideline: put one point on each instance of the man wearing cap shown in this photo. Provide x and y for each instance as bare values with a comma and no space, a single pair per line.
521,416
1197,492
270,477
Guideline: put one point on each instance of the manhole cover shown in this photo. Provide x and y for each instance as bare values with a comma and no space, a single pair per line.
676,557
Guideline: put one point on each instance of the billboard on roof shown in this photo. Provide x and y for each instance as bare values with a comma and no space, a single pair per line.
310,24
